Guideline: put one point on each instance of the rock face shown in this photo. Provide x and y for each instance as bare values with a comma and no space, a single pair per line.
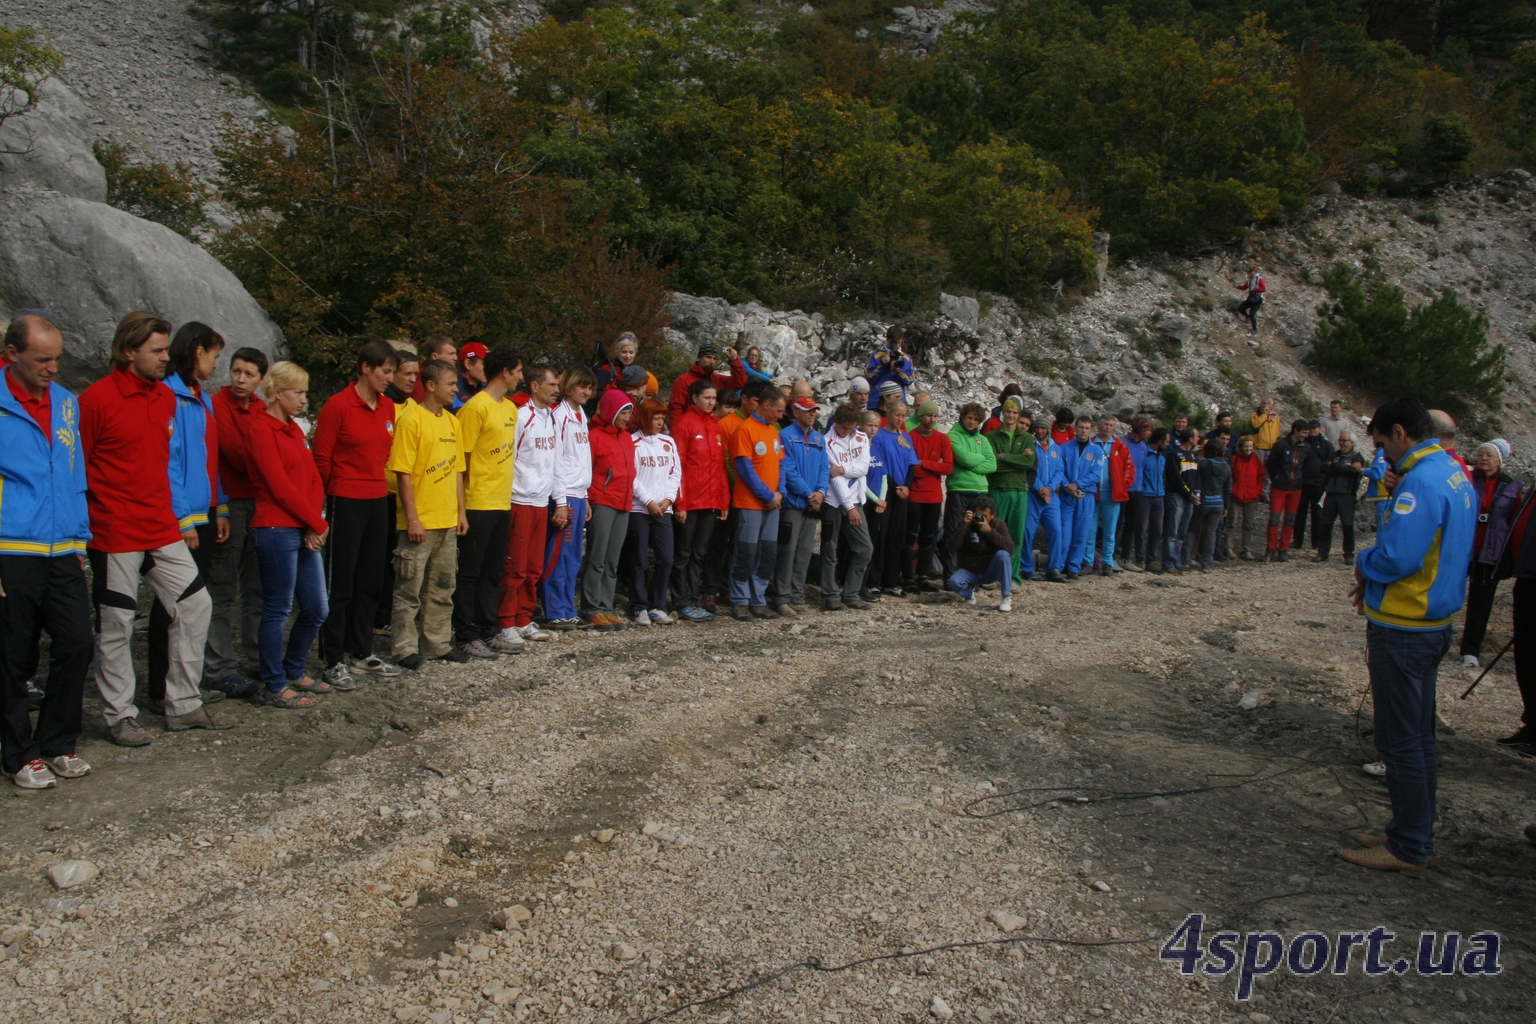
50,146
90,263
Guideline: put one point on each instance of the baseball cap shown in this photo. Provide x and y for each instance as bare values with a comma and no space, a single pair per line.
474,350
808,404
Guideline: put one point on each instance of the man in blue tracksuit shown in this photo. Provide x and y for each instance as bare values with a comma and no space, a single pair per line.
1081,469
1410,585
44,527
1377,493
804,485
1044,508
1147,523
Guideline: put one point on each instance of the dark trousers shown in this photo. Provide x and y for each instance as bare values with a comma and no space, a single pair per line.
1146,529
1482,588
355,553
1525,654
647,533
1339,507
387,580
1310,495
160,620
923,522
1404,667
888,531
956,505
1249,308
1125,543
477,588
691,539
42,594
717,559
1207,523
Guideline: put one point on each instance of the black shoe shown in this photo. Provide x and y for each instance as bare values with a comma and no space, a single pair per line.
741,613
871,595
1072,577
1052,576
1282,555
234,687
1349,558
1525,735
1530,833
1320,557
834,606
411,662
762,611
456,656
895,591
1030,577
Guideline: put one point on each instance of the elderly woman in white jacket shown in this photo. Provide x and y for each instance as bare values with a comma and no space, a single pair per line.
658,477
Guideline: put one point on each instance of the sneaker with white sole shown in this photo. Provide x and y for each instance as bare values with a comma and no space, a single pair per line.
1006,604
1470,661
373,665
35,774
68,766
533,632
642,618
508,641
1376,769
339,677
477,649
661,618
972,599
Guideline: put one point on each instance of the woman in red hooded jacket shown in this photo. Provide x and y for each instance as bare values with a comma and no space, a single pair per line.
610,497
704,500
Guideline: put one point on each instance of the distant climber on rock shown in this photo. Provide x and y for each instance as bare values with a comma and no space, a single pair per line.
1249,307
889,362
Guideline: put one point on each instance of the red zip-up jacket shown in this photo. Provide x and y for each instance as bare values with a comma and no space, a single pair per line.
935,461
1121,471
1247,478
234,458
613,467
288,488
125,432
352,444
702,442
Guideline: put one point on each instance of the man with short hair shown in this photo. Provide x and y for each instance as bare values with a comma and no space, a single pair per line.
1045,508
1134,512
43,537
1082,469
437,346
756,456
1117,475
1409,585
426,459
1181,466
125,424
1445,432
402,386
534,463
1314,480
1335,423
471,375
1286,466
706,366
804,485
983,553
842,516
487,434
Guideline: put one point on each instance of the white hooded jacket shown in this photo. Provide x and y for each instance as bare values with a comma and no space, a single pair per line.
658,470
534,458
573,463
852,453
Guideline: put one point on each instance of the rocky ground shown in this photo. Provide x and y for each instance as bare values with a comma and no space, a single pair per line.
614,826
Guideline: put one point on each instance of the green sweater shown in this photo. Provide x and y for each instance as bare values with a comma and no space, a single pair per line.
1015,453
973,461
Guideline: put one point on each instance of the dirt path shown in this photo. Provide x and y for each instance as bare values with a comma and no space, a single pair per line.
838,786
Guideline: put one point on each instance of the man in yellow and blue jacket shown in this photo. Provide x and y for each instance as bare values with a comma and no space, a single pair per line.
44,527
1409,586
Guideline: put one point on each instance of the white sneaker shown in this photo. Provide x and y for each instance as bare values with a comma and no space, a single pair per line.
35,775
972,598
661,618
533,632
68,766
508,641
1006,604
1378,769
374,665
642,618
1470,660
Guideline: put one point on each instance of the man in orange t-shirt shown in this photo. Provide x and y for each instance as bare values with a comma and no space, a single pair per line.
755,456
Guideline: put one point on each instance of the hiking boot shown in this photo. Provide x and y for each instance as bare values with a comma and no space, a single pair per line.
709,602
202,718
1379,858
1132,567
1054,576
125,732
35,774
786,610
454,656
411,662
693,613
1349,558
373,665
69,766
833,606
1071,577
895,591
870,594
1321,556
857,605
762,611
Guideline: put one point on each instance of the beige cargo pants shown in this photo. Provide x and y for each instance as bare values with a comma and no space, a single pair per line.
425,573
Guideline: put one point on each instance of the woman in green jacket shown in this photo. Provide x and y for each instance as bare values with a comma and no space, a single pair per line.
968,483
1014,448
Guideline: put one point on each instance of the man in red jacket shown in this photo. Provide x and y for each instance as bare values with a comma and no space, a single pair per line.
126,420
935,461
732,378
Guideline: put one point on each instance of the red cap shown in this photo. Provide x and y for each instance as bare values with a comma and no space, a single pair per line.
474,350
808,404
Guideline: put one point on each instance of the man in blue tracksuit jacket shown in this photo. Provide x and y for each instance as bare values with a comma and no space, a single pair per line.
1044,508
1147,523
1377,493
44,527
1081,468
805,481
1410,585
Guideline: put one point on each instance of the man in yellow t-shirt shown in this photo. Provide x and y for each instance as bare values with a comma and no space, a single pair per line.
488,437
427,460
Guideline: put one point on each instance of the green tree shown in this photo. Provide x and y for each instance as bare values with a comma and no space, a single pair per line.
1449,140
165,195
1438,352
24,64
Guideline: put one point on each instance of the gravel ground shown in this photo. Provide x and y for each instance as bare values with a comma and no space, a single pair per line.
613,826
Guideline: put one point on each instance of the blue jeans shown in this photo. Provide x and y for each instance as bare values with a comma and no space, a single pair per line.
1078,518
562,563
1109,523
1404,665
1177,510
287,568
1000,570
1037,513
755,556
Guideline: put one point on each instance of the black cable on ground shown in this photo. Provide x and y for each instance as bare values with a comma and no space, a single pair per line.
813,963
1117,796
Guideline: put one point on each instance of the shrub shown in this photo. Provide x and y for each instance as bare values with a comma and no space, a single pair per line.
165,195
1176,401
1438,352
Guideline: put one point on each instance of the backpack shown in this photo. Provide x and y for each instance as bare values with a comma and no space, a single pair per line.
1258,284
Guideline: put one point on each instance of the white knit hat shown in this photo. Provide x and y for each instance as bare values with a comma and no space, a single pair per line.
1499,445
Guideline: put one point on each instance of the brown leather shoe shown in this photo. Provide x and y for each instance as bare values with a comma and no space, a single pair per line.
202,718
1380,859
1371,840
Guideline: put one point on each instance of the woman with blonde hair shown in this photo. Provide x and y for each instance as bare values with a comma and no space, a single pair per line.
287,530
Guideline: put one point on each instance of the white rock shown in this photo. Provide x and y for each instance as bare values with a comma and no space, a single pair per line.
623,951
604,835
1101,886
1006,921
67,874
1250,700
331,939
940,1009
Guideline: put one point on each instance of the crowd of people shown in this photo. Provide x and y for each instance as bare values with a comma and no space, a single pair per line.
468,506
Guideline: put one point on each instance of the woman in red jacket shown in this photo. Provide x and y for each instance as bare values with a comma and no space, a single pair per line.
704,500
287,531
610,497
1248,513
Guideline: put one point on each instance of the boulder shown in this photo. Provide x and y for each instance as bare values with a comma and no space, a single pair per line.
90,263
1175,327
50,146
962,309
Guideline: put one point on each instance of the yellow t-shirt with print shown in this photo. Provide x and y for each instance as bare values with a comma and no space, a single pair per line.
487,433
427,448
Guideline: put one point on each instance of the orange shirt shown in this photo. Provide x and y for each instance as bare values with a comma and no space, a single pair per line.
759,442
